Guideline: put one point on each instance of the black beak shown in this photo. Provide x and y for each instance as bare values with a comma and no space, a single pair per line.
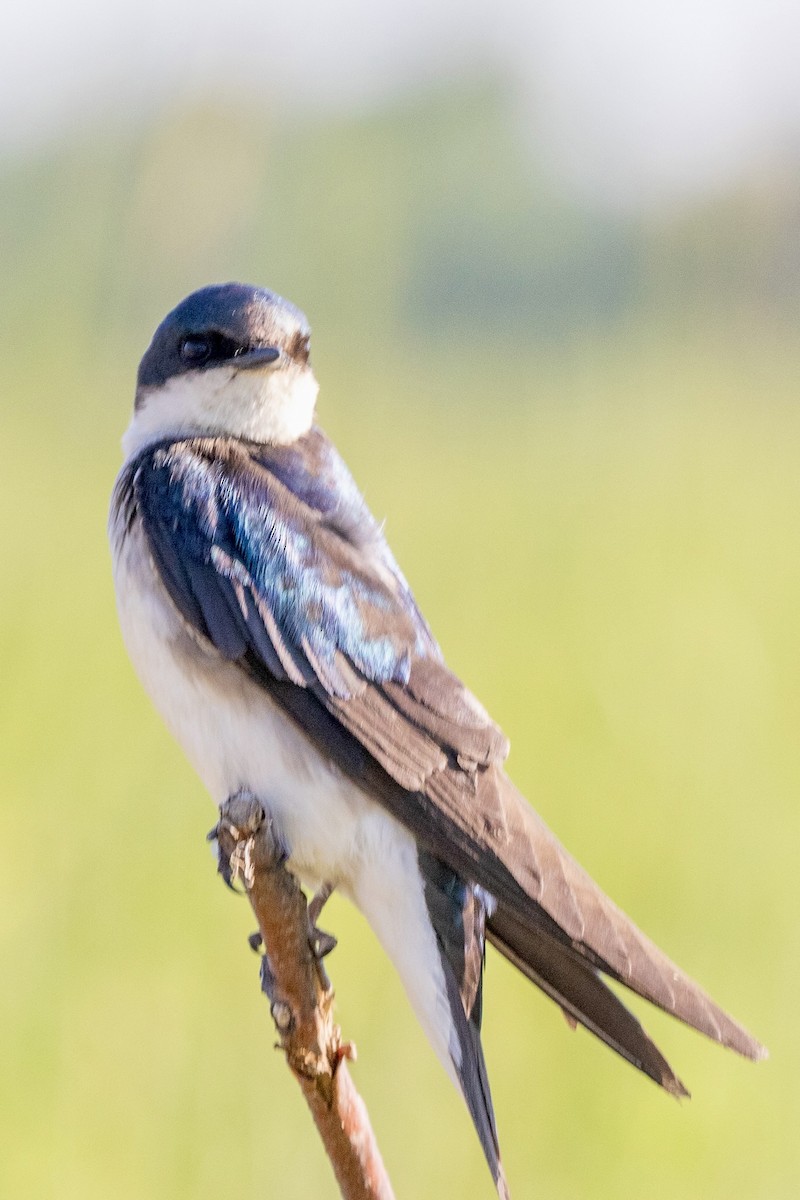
260,356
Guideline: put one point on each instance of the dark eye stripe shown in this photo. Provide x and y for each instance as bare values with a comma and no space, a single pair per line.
200,348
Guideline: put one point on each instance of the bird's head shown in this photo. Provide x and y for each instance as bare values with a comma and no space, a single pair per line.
230,359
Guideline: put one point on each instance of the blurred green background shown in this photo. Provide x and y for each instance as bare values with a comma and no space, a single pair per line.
581,423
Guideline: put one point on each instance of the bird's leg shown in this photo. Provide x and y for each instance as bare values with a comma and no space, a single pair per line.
321,943
319,900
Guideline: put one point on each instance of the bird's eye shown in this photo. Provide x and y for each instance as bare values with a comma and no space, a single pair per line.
195,350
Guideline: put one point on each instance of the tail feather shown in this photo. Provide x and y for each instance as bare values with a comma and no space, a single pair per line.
457,912
474,1082
560,901
581,993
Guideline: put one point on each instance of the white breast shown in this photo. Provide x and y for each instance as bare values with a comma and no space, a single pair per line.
232,733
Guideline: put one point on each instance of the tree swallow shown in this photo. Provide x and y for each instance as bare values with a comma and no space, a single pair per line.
275,633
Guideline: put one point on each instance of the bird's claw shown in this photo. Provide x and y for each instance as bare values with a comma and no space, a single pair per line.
223,861
321,943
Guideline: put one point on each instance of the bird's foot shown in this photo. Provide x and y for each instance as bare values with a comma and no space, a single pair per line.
242,816
321,943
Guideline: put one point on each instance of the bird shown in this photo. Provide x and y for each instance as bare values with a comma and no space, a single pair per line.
273,630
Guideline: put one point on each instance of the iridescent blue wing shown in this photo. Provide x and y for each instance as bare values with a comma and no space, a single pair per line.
271,554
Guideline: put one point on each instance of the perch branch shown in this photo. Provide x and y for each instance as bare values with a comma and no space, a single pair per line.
301,997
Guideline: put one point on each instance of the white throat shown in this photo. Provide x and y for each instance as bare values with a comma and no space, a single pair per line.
269,405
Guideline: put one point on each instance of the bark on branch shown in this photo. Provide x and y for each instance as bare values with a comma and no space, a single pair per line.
301,997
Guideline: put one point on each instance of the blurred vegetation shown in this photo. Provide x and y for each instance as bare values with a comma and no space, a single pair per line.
584,432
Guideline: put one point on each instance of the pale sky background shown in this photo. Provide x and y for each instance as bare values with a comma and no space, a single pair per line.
627,100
